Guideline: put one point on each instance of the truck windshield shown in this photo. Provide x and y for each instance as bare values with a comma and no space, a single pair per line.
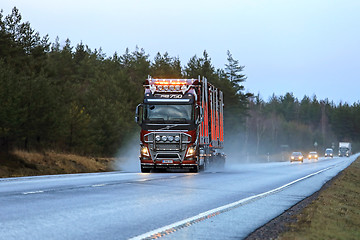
169,113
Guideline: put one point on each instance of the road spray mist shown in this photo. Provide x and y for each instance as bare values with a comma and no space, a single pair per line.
127,158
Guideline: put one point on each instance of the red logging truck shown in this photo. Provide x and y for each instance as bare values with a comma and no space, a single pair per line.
181,124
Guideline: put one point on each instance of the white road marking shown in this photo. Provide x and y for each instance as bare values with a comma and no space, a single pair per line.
142,180
25,193
98,185
213,212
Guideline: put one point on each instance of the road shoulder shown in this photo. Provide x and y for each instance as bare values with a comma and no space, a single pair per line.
337,198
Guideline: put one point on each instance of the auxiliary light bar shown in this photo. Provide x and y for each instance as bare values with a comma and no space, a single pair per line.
170,85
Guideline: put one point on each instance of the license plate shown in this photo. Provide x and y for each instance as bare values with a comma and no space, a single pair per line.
167,161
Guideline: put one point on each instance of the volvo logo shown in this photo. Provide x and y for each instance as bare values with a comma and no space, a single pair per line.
170,96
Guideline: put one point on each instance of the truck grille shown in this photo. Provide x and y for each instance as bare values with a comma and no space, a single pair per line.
167,156
167,147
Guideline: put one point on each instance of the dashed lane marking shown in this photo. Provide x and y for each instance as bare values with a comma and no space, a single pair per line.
98,185
33,192
142,180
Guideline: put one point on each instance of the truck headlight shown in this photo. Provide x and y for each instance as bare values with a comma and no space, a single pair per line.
190,152
145,151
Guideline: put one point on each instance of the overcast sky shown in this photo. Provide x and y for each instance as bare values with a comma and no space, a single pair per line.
305,47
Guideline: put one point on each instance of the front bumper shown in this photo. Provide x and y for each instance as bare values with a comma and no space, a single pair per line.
169,165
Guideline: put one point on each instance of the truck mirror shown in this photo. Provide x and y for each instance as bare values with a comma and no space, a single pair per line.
137,113
198,114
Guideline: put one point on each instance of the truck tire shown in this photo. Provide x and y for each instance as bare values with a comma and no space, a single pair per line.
195,169
204,166
145,170
222,163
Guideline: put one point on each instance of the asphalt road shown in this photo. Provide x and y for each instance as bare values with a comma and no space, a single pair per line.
121,205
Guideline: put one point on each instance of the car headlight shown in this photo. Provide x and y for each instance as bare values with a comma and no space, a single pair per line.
145,151
316,156
190,152
300,157
292,158
309,156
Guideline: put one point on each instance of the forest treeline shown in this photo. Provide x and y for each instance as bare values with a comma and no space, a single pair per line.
75,99
287,124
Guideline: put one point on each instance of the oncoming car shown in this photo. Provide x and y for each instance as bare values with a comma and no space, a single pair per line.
296,156
313,155
329,152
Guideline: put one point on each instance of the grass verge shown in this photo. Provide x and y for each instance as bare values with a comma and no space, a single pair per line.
20,163
335,214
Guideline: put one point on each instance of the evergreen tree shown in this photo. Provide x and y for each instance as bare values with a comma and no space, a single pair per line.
234,72
165,66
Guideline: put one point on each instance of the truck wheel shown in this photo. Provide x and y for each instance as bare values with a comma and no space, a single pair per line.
203,167
222,163
195,169
145,170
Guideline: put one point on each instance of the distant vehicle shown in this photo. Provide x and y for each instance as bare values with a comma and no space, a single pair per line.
329,152
296,156
344,149
313,155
